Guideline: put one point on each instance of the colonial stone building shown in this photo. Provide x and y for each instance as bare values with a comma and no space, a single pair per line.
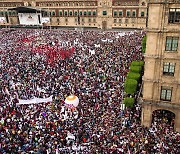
103,14
162,61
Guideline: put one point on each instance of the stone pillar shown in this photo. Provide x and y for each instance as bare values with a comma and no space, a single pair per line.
177,122
146,116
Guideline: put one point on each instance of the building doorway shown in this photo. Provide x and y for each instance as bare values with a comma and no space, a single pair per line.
104,25
163,119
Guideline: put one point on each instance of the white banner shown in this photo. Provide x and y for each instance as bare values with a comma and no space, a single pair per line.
45,20
2,19
35,100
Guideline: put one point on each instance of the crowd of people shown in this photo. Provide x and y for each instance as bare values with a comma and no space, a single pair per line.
95,72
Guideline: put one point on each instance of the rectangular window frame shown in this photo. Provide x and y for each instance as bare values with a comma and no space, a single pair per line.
166,93
65,13
104,13
70,13
128,14
169,68
76,13
115,13
94,13
134,14
174,16
172,43
60,13
142,13
85,13
53,13
120,13
89,13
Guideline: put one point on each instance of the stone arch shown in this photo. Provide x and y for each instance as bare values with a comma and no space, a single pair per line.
163,116
147,110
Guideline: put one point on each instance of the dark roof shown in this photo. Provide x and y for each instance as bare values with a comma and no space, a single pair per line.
24,9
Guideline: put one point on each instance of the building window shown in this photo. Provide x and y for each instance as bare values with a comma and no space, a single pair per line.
115,13
89,19
104,13
166,93
85,13
134,13
172,43
75,13
126,21
174,15
94,20
53,13
128,13
70,13
65,13
66,19
142,14
94,13
120,13
60,13
168,68
14,13
80,13
120,20
115,20
89,13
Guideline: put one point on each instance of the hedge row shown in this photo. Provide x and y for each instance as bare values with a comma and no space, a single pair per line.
130,86
136,69
137,63
144,44
132,80
135,76
129,102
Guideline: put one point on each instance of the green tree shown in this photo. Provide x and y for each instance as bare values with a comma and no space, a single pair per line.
130,86
136,69
129,102
137,63
135,76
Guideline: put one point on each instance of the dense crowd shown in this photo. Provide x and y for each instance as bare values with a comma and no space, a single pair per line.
95,73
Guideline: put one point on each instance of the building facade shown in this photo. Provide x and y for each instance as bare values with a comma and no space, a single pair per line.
161,81
103,14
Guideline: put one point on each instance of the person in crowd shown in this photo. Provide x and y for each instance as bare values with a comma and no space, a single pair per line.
89,64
